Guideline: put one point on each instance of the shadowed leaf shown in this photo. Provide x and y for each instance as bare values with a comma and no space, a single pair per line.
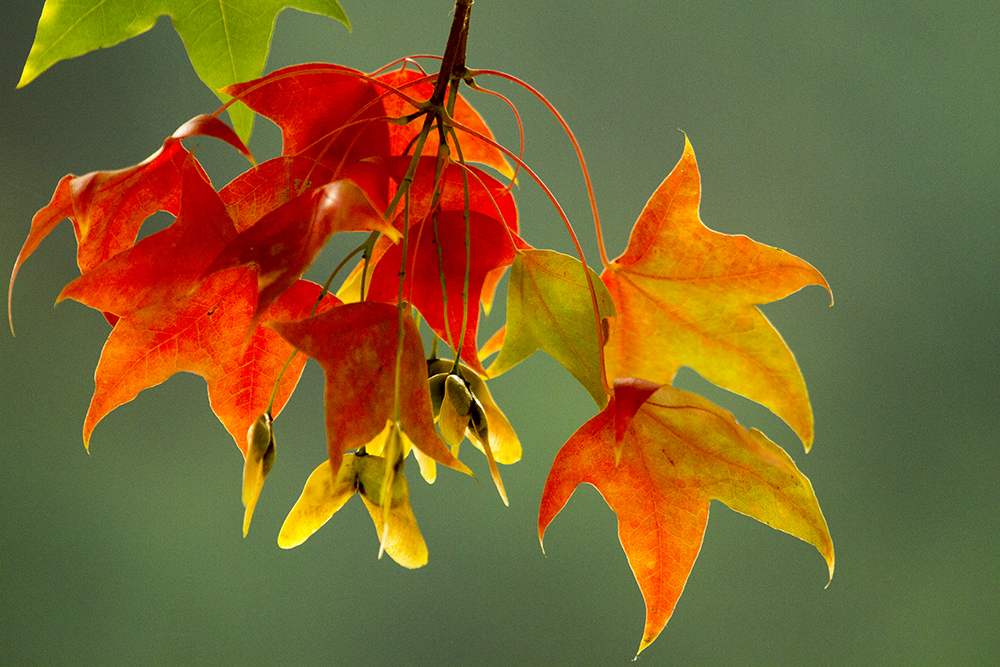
356,346
549,308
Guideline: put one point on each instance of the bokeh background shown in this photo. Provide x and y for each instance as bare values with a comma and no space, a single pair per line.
862,136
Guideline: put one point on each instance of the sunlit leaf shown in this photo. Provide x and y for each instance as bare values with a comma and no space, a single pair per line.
226,41
687,296
678,452
549,308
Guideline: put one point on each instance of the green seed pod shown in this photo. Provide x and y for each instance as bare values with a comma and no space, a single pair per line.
455,410
436,385
479,422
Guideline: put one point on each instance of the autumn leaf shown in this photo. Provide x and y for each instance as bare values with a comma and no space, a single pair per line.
164,266
687,296
356,345
325,112
107,208
678,452
226,41
549,308
445,233
219,293
486,195
284,243
204,334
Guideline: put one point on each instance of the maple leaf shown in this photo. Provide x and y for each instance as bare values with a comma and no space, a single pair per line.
325,112
549,308
107,208
426,269
356,344
284,243
206,334
226,41
687,296
164,266
258,191
678,452
437,250
486,195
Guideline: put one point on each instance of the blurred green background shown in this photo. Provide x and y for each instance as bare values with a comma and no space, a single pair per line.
861,136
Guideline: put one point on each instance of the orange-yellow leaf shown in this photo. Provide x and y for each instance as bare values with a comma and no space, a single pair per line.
688,296
678,452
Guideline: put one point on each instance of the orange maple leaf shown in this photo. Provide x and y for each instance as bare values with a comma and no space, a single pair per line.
107,208
678,452
686,296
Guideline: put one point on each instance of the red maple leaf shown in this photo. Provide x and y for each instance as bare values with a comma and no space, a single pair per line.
356,344
107,208
325,112
491,248
164,266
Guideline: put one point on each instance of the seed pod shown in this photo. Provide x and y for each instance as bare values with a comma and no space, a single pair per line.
479,423
455,410
323,494
258,463
436,386
393,517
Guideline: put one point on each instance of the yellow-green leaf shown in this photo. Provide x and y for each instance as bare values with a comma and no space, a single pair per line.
549,308
226,40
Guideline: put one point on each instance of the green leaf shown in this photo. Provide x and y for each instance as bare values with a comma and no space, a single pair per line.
227,40
549,308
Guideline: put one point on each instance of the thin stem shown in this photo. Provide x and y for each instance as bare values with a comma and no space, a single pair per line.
369,246
576,147
467,216
471,83
572,233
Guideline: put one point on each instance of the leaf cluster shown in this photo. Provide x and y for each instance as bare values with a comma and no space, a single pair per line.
399,159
